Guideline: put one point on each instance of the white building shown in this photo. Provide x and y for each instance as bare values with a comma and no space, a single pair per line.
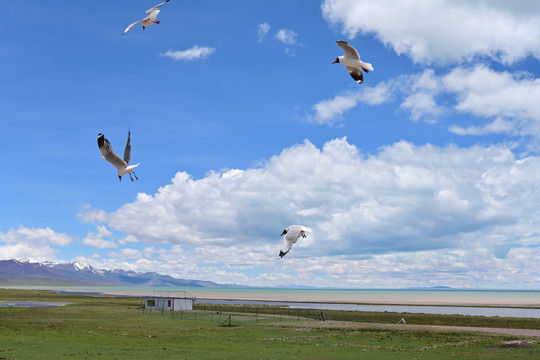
169,301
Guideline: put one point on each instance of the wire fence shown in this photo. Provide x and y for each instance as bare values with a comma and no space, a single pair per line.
276,312
233,315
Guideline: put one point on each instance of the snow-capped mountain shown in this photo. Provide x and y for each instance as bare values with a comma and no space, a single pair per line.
77,266
76,273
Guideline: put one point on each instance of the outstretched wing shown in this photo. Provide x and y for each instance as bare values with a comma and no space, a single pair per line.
149,11
294,232
286,246
127,150
108,154
132,25
356,74
350,52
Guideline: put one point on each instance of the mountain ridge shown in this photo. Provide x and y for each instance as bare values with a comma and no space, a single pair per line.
25,272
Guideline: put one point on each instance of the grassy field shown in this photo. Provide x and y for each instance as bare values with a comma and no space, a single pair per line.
116,328
377,317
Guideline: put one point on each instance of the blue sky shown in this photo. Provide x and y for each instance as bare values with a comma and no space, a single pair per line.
426,174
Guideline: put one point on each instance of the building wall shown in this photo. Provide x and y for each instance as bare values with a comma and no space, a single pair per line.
168,304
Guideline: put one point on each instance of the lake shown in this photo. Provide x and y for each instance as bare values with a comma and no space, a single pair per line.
437,301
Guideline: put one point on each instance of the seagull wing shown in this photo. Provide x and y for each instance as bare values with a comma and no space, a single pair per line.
350,52
108,153
287,244
132,25
294,232
356,74
149,11
127,150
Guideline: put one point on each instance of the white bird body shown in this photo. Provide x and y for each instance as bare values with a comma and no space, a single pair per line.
151,15
127,169
121,165
149,20
352,62
292,234
355,63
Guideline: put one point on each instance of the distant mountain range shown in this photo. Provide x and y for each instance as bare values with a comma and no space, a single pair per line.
15,272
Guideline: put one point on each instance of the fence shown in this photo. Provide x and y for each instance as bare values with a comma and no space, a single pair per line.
263,310
232,315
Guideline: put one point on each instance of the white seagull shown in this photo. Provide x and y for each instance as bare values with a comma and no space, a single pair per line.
149,19
292,234
122,165
352,62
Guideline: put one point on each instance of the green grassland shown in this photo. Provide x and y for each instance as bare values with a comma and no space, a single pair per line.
377,317
116,328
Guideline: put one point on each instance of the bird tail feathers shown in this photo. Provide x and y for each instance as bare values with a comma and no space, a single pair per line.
131,167
367,67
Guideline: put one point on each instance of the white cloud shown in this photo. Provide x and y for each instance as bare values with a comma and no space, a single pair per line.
331,111
287,37
421,90
33,243
262,31
126,253
89,215
500,102
36,235
99,239
196,52
405,198
406,215
497,126
510,98
443,31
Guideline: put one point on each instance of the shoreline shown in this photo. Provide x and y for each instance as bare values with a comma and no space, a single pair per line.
329,300
408,297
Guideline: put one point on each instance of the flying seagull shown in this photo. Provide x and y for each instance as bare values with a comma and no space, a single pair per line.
122,165
352,62
292,234
149,19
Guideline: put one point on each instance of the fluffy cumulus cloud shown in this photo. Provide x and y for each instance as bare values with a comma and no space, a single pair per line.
404,211
194,53
33,243
100,239
498,101
444,31
508,100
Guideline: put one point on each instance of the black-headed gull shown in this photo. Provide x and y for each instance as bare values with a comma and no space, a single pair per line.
352,62
292,234
122,165
149,19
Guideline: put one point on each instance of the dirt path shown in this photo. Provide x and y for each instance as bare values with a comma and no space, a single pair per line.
500,331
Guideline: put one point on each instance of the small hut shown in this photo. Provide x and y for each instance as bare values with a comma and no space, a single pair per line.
169,301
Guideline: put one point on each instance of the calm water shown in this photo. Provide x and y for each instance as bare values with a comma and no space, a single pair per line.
440,310
505,303
30,304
